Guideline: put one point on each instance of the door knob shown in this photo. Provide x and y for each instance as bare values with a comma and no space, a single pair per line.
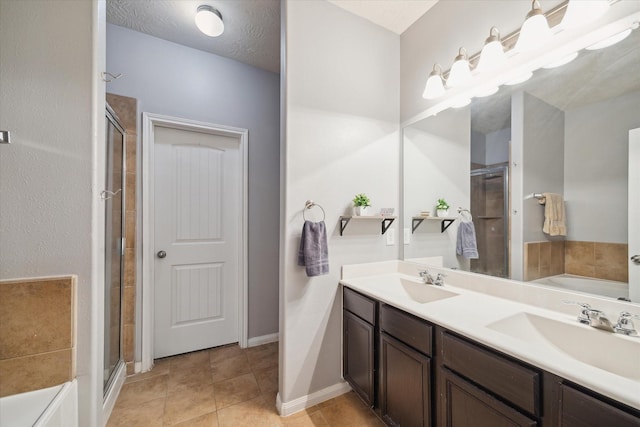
635,259
162,254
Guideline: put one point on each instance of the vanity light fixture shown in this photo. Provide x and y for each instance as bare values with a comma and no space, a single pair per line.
460,102
583,12
611,40
486,91
460,72
535,31
209,20
519,79
492,55
434,87
562,61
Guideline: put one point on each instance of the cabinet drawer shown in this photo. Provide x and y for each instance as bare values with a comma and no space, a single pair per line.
406,328
579,409
503,377
360,305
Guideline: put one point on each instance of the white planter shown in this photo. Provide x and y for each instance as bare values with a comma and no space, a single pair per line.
442,213
361,211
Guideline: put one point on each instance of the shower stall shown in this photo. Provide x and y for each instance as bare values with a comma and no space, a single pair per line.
114,199
490,208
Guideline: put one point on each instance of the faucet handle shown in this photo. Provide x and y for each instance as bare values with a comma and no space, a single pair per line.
584,316
581,304
625,323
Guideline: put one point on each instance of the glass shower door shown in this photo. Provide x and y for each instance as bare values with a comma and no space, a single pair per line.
113,196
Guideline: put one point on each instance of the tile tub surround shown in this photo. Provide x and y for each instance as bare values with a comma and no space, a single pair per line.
543,259
37,338
484,300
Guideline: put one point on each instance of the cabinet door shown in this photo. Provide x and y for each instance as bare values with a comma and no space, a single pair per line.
405,389
465,405
578,409
358,356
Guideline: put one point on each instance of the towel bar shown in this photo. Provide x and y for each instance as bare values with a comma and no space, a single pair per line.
310,204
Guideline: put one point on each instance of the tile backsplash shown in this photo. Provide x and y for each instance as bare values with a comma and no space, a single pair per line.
37,333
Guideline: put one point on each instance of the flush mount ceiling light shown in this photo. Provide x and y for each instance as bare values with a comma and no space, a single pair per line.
561,61
583,12
460,72
434,87
492,55
610,41
535,31
209,21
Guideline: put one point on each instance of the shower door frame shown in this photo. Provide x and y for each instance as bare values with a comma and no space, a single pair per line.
504,169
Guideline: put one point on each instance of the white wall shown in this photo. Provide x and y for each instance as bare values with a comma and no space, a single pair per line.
478,147
175,80
342,102
436,165
596,168
52,101
497,146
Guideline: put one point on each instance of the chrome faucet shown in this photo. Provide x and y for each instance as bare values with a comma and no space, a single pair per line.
592,317
625,324
429,279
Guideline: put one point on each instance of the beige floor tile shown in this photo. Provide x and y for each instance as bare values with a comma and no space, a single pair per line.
190,360
261,360
184,379
306,419
349,411
208,420
135,393
160,367
148,414
230,367
224,352
189,403
236,390
267,379
253,413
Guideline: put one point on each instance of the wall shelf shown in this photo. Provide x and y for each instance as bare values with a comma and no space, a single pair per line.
385,221
445,222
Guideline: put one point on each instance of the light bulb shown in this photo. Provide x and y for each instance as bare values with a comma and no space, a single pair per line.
535,31
492,55
583,12
209,21
460,73
434,87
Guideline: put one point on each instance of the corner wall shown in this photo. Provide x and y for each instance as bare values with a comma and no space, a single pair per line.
341,138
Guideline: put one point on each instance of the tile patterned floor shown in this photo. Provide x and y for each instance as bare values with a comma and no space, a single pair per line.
224,387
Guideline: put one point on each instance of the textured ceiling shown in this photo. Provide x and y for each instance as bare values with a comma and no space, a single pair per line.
592,77
394,15
252,27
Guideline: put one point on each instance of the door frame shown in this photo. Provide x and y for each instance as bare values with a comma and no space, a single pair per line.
149,123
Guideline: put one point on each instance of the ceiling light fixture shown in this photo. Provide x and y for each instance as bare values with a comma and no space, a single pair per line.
583,12
492,55
486,91
434,87
460,73
561,61
519,79
610,41
535,31
209,20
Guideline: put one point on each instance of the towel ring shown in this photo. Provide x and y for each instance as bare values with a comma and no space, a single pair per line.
310,204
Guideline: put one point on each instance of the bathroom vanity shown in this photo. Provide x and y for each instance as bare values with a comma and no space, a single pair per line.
422,355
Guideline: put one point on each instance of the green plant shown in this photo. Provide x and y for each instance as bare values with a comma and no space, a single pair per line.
442,205
361,200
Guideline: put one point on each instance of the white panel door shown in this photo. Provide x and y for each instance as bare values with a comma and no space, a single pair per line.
634,214
197,232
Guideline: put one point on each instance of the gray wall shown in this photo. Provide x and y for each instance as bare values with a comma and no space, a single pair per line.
596,168
174,80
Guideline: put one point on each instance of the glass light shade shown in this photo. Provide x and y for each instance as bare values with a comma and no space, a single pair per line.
535,31
460,102
434,87
486,91
583,12
209,21
611,40
519,79
562,61
492,55
460,73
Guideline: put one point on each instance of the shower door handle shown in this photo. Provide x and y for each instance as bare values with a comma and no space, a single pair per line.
162,254
635,259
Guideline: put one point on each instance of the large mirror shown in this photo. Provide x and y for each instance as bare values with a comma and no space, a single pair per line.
565,131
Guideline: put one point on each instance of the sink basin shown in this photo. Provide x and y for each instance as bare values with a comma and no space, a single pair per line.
605,350
423,293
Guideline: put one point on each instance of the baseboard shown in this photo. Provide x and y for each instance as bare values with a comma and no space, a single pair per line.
296,405
113,392
264,339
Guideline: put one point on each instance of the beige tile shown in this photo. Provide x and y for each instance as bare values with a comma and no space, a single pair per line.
580,269
130,228
224,352
306,419
189,403
148,414
130,368
160,367
28,373
231,367
130,267
557,258
208,420
611,273
35,316
263,357
128,340
195,359
531,261
137,392
349,411
188,377
236,390
131,152
267,379
129,305
614,255
545,253
126,108
255,413
579,252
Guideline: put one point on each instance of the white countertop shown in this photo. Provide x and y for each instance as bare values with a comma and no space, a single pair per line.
484,307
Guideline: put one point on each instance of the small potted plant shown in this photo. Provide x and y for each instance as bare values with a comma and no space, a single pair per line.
361,204
442,208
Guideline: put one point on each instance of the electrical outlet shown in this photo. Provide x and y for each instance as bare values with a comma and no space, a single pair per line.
407,236
391,236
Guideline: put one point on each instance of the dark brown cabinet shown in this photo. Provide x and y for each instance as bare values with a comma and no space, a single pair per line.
579,409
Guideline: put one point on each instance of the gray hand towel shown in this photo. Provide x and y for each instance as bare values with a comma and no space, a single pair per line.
313,253
466,245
